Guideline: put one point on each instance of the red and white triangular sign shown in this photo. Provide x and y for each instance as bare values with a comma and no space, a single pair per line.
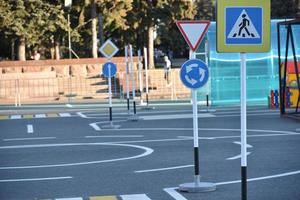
193,31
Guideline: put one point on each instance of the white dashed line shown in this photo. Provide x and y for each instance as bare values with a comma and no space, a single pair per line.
40,116
16,117
64,114
29,128
35,179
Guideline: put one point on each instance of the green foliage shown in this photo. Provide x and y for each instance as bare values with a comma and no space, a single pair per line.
40,22
284,8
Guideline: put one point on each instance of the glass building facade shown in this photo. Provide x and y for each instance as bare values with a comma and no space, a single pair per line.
262,70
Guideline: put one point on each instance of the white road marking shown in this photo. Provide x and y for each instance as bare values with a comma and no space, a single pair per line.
147,151
177,196
95,126
40,116
200,138
29,128
237,157
175,116
72,198
23,139
261,178
135,197
163,169
69,105
239,143
35,179
82,115
113,136
16,117
173,193
64,114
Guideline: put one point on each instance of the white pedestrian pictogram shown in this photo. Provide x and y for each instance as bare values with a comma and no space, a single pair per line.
243,27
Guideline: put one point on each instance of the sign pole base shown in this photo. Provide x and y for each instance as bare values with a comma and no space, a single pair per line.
197,186
111,126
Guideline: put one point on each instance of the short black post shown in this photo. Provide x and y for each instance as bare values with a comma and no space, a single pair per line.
128,106
196,160
134,107
147,99
244,182
207,103
110,114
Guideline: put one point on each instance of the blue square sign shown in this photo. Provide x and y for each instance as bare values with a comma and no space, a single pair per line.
244,25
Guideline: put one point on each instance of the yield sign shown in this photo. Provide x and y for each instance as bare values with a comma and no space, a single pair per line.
193,32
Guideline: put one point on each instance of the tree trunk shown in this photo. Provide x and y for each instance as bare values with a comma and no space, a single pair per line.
57,50
151,46
94,30
298,8
22,50
52,49
13,56
101,34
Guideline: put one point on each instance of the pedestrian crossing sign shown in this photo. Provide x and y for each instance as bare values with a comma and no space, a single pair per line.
243,26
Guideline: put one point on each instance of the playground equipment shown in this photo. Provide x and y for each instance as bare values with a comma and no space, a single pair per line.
289,82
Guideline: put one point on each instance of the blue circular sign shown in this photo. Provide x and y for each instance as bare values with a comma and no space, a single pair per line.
109,69
194,73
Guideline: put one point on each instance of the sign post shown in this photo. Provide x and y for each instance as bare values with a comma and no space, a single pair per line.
194,74
127,79
147,80
243,27
109,70
134,117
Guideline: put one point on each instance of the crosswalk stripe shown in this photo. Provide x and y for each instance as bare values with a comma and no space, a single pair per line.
103,198
74,198
4,117
64,114
27,116
40,116
16,117
52,115
135,197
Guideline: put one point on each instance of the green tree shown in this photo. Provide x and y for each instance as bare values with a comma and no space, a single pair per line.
284,8
112,14
30,22
167,30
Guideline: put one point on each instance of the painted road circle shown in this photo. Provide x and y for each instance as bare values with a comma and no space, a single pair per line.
147,151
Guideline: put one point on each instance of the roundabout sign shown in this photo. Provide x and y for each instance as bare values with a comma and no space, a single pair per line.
194,74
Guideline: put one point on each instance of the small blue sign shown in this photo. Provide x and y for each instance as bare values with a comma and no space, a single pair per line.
109,69
194,73
244,25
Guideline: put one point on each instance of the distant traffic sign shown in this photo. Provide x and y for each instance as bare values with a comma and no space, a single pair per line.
108,49
243,26
194,73
193,32
109,69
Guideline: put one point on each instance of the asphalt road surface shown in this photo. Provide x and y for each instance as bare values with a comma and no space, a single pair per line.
67,154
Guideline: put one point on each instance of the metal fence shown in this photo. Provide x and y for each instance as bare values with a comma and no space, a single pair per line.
89,88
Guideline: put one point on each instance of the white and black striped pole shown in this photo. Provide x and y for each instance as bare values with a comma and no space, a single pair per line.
127,78
109,96
146,74
243,127
140,76
197,185
134,117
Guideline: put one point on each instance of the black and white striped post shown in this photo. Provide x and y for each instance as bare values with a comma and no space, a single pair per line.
133,117
127,79
147,107
109,69
197,185
243,127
